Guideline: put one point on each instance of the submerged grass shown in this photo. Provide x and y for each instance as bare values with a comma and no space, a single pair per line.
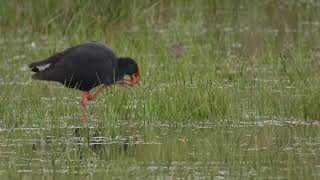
229,89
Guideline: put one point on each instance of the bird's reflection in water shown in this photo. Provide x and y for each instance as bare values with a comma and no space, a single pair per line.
102,146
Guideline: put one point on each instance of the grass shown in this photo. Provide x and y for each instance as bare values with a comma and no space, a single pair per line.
242,102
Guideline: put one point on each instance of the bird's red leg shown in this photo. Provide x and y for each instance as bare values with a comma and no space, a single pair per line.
93,95
84,100
86,96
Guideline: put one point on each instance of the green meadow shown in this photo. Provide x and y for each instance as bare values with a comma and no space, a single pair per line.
229,89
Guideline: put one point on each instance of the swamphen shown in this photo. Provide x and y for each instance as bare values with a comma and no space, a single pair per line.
86,66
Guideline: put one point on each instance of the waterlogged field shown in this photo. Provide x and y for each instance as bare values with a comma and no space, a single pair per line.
229,90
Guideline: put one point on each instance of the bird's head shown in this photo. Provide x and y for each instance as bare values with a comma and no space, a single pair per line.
127,72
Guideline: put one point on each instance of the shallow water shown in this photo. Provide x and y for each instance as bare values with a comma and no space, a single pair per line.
34,152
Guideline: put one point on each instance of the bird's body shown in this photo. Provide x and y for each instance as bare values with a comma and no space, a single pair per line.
86,66
82,67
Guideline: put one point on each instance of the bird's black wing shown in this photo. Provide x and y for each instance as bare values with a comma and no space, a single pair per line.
44,64
50,68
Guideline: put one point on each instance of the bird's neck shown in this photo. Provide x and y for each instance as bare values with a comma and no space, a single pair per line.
118,74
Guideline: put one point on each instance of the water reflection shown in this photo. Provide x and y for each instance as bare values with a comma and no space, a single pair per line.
84,143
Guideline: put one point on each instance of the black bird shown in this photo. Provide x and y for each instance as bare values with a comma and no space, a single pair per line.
86,66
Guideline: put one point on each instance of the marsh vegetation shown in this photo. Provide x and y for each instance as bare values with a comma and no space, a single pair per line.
229,90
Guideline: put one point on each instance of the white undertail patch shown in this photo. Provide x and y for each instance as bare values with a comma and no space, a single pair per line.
43,67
